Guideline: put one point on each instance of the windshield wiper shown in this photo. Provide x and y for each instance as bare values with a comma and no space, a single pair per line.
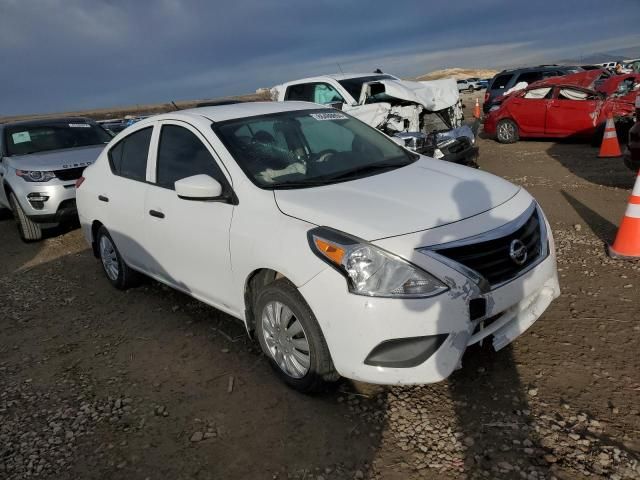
365,169
297,184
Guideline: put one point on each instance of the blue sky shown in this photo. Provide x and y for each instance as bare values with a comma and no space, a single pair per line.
58,55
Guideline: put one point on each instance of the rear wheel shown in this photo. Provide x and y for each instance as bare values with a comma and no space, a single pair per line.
116,270
28,229
291,338
507,131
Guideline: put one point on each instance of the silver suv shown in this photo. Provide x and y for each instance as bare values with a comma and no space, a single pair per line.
40,162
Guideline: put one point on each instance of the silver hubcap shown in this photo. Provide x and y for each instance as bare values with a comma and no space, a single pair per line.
506,131
109,258
286,340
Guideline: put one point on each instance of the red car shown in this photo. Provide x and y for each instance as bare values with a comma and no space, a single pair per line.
556,109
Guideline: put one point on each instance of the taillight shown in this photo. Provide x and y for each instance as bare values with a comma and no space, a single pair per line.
486,96
79,182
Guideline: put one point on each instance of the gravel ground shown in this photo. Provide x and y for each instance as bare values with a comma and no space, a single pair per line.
100,384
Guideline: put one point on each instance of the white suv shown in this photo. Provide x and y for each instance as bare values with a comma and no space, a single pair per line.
344,253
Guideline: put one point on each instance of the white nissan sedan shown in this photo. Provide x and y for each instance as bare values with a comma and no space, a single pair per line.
342,252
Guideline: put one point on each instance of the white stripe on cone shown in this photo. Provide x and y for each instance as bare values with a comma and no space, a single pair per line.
633,210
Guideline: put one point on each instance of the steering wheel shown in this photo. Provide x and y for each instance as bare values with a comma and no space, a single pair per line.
324,155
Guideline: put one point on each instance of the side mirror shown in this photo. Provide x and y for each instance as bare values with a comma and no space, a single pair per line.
336,105
198,187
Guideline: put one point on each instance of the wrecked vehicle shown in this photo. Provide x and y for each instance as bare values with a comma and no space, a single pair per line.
555,109
602,81
425,117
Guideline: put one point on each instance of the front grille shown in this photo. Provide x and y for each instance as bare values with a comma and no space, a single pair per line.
492,258
69,173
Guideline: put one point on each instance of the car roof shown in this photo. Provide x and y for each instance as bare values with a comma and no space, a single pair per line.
221,113
336,76
535,69
44,121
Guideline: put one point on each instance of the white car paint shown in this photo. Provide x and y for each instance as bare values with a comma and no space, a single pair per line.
210,249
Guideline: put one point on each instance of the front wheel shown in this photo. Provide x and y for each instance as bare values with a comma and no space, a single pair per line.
28,229
116,270
507,131
291,338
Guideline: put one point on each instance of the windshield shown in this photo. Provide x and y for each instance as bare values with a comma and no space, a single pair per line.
354,85
26,139
308,148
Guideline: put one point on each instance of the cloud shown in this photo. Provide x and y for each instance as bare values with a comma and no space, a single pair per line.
62,55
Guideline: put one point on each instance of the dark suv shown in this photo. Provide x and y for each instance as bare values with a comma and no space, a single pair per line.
507,79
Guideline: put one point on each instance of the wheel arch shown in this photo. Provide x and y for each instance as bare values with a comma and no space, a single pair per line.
257,279
95,226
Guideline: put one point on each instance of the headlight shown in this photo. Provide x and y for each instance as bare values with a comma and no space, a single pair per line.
370,270
35,175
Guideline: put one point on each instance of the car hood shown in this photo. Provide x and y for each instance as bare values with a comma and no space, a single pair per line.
426,194
433,95
57,159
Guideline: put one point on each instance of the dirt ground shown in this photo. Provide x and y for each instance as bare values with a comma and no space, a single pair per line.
150,384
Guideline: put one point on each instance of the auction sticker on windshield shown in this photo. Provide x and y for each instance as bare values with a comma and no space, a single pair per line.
79,125
20,137
329,116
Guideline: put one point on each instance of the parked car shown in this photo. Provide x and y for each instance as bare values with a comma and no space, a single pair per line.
553,109
475,84
632,152
342,252
40,161
508,79
423,116
464,86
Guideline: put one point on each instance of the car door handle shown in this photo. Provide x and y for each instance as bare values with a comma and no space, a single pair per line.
102,198
155,213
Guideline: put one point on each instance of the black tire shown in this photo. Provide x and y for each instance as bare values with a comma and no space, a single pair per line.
28,229
321,371
509,132
125,277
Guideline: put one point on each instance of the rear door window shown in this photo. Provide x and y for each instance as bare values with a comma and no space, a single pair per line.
128,158
572,94
501,81
181,154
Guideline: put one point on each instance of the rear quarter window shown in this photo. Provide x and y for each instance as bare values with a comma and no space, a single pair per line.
529,77
128,158
501,81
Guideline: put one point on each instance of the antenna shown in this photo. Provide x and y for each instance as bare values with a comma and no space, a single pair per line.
340,68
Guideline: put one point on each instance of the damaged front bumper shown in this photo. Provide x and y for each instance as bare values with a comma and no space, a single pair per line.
457,145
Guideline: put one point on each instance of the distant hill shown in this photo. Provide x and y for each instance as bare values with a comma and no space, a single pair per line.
458,73
601,57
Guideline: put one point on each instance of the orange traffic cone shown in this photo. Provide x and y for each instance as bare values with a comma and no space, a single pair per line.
476,109
627,243
610,146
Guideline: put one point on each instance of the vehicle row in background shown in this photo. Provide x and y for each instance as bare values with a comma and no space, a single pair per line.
424,116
